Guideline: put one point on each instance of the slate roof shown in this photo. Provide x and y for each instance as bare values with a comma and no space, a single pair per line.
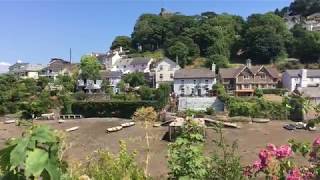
30,68
111,74
140,60
194,73
311,73
229,73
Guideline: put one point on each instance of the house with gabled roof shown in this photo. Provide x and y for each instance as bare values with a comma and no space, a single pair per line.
243,80
136,64
164,71
300,78
194,82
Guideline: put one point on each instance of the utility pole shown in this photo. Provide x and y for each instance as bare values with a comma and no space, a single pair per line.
70,55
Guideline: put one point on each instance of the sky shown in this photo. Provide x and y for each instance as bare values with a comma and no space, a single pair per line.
35,31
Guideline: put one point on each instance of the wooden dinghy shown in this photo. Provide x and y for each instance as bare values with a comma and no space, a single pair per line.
128,124
114,129
9,121
225,124
72,129
260,120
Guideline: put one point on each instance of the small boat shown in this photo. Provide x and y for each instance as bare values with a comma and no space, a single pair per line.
300,125
114,129
9,121
72,129
260,120
61,121
124,125
289,127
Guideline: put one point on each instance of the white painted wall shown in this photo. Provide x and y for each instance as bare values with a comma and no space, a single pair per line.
290,83
189,84
200,103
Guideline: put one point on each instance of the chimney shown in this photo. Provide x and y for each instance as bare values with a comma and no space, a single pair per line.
304,80
177,60
213,67
248,63
120,49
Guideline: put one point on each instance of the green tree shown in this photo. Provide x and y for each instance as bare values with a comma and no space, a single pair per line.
135,79
145,93
121,41
308,46
89,67
67,82
266,37
179,50
162,94
220,61
258,92
305,7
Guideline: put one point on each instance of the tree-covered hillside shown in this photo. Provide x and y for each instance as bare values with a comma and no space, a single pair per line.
221,38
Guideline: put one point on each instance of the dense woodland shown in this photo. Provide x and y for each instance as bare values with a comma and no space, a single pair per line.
225,38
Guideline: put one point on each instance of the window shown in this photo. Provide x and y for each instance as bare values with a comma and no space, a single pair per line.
124,66
207,81
161,76
192,91
182,81
161,68
182,91
246,86
194,81
311,79
246,77
171,75
263,86
263,76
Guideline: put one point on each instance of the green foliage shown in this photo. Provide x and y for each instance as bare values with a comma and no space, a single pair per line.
121,41
105,165
36,154
305,7
121,109
220,61
162,94
89,67
66,101
210,111
135,79
258,92
224,162
179,50
276,91
145,93
122,86
35,106
80,95
266,37
307,46
186,157
256,108
67,82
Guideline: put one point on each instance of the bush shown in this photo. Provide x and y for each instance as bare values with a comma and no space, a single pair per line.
80,95
258,92
105,165
145,93
121,109
210,111
274,91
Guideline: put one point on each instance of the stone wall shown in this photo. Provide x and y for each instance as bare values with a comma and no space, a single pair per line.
200,103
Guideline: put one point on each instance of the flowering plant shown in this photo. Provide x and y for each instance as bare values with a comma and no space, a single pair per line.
278,162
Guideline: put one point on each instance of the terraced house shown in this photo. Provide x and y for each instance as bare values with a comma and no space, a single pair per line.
243,80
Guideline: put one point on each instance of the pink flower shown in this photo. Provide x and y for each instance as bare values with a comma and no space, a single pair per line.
316,142
283,152
271,147
294,174
257,165
264,157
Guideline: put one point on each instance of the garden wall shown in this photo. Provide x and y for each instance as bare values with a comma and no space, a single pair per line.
200,103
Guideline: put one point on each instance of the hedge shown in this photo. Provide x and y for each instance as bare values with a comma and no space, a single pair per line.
274,91
120,109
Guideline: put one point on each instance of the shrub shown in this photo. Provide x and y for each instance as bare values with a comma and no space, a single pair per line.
274,91
36,154
258,92
80,95
104,165
186,157
145,93
121,109
162,94
210,111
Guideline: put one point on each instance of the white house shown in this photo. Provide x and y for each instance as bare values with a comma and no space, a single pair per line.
89,86
292,79
129,65
26,70
113,77
164,71
194,82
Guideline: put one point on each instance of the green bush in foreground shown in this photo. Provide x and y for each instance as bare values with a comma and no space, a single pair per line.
36,154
